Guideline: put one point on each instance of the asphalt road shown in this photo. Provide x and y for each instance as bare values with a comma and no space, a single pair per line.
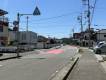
42,66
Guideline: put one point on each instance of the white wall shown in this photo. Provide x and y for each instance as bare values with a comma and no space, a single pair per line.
101,35
40,45
5,32
27,37
87,35
12,36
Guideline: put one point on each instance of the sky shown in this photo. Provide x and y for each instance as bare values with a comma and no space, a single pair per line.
58,17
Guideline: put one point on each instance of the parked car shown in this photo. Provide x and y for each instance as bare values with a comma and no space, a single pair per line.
98,45
101,49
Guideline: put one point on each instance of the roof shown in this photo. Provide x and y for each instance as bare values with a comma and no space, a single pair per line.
2,12
77,33
28,32
101,31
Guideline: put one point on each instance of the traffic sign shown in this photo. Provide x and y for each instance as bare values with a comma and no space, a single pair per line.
36,11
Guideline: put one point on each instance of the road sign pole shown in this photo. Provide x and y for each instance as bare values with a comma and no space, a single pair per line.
18,20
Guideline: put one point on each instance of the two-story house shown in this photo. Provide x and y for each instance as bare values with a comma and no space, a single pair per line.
3,28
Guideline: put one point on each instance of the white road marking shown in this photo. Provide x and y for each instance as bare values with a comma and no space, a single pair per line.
1,65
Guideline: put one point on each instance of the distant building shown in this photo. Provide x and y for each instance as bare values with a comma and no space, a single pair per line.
58,40
42,38
27,37
3,28
77,36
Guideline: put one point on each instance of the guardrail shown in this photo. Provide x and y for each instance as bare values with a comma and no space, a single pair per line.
13,49
8,49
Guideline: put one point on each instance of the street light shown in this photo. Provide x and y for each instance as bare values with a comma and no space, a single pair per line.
35,13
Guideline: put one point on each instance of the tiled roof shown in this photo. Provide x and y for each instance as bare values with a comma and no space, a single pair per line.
2,12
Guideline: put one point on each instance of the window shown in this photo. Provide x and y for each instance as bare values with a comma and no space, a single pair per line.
1,29
104,35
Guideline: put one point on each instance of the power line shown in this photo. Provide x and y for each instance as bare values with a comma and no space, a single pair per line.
50,18
62,26
55,17
93,11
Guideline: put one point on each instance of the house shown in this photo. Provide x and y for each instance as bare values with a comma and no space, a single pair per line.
27,37
77,35
11,37
95,36
88,40
3,28
84,39
101,35
76,38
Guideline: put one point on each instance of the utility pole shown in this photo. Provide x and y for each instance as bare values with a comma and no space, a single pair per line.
80,21
81,31
87,2
27,23
18,20
73,31
89,22
35,13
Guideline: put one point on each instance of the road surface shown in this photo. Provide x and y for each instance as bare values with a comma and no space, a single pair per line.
42,66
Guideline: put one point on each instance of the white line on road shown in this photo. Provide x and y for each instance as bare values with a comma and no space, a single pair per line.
1,65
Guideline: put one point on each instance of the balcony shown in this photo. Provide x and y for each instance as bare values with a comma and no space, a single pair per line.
3,19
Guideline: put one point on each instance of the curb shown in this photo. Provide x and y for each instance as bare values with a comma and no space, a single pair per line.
13,57
9,58
64,73
74,63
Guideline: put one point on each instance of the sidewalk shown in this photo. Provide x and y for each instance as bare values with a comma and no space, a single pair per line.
87,68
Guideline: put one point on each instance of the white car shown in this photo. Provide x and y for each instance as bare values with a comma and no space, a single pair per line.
98,45
101,49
